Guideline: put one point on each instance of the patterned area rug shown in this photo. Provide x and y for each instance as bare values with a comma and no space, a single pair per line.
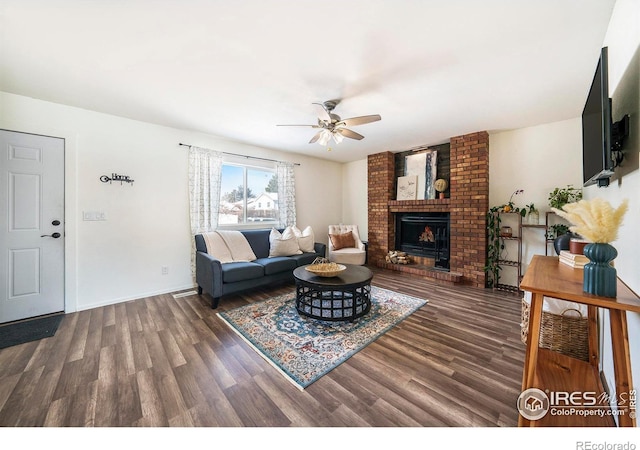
305,349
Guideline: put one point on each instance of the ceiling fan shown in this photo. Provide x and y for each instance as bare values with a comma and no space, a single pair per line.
332,126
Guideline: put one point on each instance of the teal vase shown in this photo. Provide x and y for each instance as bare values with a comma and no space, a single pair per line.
599,276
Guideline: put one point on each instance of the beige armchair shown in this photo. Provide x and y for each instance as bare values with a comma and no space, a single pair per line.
345,245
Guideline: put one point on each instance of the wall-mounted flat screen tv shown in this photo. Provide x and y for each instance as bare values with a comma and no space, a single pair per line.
597,164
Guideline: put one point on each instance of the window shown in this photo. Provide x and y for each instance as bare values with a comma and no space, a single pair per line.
244,192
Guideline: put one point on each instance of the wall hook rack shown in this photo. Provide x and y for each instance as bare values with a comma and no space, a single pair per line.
116,177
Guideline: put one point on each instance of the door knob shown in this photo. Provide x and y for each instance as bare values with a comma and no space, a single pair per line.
54,235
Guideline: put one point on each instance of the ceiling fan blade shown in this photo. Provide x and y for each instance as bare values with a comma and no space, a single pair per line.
287,125
316,137
359,120
323,114
348,133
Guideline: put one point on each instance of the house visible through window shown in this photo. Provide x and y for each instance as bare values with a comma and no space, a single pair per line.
248,195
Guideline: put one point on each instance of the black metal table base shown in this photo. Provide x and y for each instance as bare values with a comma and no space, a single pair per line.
333,303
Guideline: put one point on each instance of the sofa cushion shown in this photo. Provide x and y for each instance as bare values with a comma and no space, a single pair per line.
240,271
259,241
305,258
276,264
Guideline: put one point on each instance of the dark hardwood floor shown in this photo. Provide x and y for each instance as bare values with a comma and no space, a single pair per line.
163,361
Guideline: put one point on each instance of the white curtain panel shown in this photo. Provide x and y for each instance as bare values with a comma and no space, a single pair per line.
286,195
205,174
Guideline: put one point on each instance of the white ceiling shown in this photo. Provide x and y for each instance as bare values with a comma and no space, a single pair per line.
236,68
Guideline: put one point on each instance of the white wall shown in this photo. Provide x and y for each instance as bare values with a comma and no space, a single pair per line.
355,198
623,40
536,160
147,223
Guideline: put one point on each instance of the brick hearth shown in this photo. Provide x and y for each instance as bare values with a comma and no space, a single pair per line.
467,204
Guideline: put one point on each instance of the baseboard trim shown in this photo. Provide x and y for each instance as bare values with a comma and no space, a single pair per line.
137,297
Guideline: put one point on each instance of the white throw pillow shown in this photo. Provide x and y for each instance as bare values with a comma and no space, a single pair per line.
288,233
306,239
283,244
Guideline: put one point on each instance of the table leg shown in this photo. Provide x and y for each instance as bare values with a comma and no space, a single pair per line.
354,301
533,341
593,337
621,359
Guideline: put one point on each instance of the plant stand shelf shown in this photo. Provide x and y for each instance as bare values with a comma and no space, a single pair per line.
515,262
507,288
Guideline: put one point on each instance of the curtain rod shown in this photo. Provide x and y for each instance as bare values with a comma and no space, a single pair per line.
242,156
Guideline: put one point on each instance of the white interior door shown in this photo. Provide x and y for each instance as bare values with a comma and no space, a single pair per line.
32,222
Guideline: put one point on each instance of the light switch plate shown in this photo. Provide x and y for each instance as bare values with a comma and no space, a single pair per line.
93,215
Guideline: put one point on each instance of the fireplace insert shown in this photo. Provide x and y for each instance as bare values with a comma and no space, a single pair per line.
424,234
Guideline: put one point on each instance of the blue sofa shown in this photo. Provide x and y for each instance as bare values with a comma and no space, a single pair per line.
219,279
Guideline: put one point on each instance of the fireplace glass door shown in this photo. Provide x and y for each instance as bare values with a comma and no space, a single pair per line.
424,234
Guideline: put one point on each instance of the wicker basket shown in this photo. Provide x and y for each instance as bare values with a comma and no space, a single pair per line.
563,333
322,267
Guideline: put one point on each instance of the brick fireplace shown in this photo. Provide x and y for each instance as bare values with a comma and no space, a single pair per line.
467,203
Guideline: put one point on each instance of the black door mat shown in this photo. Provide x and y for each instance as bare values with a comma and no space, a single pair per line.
29,330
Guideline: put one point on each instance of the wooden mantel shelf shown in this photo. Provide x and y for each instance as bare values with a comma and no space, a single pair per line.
432,205
435,201
552,372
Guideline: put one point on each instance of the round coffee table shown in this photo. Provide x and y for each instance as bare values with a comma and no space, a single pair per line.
343,297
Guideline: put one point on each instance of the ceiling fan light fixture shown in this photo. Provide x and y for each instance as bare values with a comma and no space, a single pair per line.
325,136
332,126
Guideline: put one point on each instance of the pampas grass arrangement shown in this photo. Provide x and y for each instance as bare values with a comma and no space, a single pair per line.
595,220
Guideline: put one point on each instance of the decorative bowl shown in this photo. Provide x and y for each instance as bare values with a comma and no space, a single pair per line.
326,269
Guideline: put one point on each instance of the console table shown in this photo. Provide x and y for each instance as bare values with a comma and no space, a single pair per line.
552,372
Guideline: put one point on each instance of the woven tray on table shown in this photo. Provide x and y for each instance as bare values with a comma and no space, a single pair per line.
322,267
565,333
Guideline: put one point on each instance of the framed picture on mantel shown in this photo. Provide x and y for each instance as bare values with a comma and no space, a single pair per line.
407,188
424,166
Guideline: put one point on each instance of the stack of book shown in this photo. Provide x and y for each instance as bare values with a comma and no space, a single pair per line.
573,259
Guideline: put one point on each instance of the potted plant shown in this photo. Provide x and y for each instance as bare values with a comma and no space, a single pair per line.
557,199
598,222
556,230
561,196
560,235
533,215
